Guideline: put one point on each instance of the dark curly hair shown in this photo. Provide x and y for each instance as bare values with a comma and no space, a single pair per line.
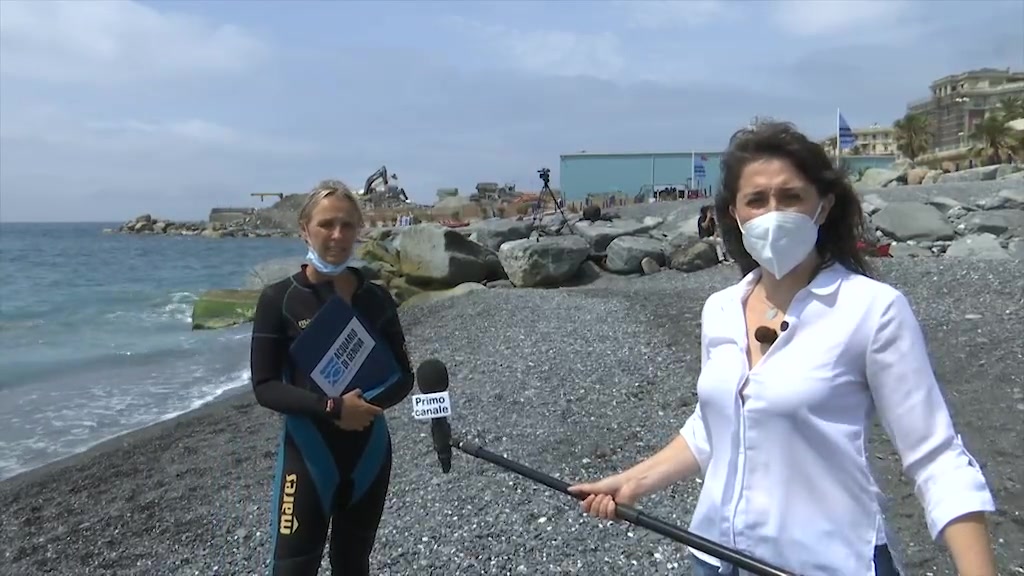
838,235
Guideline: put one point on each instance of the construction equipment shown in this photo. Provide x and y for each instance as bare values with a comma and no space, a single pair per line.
388,196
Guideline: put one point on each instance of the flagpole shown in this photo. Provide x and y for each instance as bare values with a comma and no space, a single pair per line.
838,114
693,169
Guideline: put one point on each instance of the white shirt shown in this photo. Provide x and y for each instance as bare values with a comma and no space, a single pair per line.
786,476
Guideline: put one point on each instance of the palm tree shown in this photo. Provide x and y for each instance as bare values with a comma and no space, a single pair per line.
1012,107
992,138
913,135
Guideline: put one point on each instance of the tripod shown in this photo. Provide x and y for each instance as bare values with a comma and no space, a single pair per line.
545,177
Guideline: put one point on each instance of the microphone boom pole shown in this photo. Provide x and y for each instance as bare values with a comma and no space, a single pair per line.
629,514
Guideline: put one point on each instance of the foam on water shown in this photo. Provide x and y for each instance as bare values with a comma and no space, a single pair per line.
109,413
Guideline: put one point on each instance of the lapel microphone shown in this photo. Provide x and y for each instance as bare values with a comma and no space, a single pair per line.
767,335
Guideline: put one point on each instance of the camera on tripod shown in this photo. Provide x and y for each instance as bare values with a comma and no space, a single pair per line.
545,176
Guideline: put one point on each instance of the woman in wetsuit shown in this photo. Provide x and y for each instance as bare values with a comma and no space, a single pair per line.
334,461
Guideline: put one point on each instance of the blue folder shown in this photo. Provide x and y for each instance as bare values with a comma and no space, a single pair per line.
340,352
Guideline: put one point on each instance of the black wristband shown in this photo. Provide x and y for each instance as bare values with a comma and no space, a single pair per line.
335,408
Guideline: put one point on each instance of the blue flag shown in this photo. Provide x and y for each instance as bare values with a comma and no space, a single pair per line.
847,139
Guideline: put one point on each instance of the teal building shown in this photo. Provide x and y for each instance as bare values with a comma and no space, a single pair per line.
633,174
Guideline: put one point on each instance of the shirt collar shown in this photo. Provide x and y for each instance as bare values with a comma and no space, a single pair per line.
823,284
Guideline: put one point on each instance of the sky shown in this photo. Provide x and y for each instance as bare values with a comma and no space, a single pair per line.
112,109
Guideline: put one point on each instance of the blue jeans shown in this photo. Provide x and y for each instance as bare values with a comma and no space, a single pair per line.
884,565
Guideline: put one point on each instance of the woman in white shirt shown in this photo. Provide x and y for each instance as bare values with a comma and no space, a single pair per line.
796,359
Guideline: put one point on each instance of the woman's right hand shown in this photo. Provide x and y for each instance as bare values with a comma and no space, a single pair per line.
356,413
605,493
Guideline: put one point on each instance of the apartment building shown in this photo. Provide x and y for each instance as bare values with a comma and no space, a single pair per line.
960,101
873,140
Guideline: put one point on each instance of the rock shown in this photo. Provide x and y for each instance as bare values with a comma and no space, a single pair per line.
1004,171
970,175
401,290
435,295
493,233
904,250
916,176
1009,223
872,203
977,247
434,255
223,308
932,177
379,250
550,261
626,252
945,205
913,221
696,255
1015,249
601,234
649,266
1012,197
877,177
266,273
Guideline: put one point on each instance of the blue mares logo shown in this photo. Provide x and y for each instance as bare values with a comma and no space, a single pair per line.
346,355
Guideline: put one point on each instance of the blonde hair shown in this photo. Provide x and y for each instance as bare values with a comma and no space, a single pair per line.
321,192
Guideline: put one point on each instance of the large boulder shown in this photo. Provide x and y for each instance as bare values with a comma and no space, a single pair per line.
223,308
977,247
877,177
379,250
436,256
696,254
905,221
600,234
1007,223
981,174
493,233
547,261
625,253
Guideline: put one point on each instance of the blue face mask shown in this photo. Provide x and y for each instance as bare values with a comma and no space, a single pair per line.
325,267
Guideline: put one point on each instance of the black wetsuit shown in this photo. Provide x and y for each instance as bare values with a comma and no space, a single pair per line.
325,475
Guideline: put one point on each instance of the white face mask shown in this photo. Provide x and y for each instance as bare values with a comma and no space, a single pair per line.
779,241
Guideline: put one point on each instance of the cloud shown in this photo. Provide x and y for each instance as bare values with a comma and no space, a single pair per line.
103,42
669,14
547,51
831,18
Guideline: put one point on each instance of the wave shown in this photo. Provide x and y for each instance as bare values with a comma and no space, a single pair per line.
65,432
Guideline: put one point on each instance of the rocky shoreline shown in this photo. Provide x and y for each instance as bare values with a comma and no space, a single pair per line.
981,220
246,228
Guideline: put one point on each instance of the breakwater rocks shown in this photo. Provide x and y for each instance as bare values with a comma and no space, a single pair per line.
244,228
980,220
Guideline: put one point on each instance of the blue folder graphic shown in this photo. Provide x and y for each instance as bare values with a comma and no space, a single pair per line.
340,352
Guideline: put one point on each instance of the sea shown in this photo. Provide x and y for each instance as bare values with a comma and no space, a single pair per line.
96,338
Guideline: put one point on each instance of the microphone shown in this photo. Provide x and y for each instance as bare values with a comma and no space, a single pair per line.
766,335
432,377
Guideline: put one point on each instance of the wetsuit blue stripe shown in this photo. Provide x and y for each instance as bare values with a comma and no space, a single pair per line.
372,459
317,456
276,512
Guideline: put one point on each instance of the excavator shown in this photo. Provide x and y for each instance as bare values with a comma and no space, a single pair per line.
390,194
